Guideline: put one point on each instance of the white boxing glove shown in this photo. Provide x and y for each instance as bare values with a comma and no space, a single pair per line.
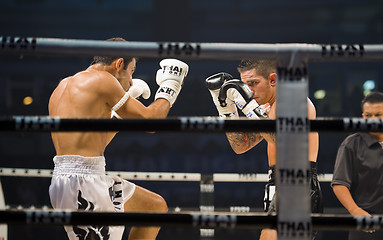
170,79
214,83
139,87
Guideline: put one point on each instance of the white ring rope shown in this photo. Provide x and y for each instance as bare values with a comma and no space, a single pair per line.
158,176
227,51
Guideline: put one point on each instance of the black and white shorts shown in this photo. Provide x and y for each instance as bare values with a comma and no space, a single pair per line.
80,183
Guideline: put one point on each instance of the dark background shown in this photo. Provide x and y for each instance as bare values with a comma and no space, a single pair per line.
242,21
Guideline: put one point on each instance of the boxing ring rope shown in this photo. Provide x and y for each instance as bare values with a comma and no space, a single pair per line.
187,50
186,219
185,124
292,126
206,186
157,176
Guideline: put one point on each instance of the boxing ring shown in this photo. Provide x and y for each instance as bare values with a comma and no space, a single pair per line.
294,220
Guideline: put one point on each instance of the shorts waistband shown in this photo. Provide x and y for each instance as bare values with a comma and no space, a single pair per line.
76,164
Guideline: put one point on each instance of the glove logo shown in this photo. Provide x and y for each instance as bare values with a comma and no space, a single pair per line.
175,70
167,91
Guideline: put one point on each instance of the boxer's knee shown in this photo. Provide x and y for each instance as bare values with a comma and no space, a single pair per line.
161,205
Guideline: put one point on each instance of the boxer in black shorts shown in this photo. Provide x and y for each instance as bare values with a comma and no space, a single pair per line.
269,200
257,87
270,197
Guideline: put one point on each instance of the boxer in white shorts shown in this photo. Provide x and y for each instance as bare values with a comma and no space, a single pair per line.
79,182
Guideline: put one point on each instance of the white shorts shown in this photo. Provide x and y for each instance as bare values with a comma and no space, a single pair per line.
80,183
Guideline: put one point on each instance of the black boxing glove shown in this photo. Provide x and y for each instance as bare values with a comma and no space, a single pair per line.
238,92
214,84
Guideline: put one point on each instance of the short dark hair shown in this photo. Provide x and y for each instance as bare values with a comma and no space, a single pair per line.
107,60
263,66
373,97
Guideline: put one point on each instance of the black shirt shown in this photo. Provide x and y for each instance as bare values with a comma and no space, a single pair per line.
359,167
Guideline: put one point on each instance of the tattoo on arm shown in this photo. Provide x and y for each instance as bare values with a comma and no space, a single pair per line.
243,141
273,137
